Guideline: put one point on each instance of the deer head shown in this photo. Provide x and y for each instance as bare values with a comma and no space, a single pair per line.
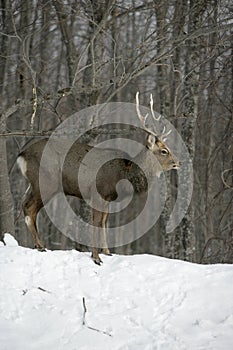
155,142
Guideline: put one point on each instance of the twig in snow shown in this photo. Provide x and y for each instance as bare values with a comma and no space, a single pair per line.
44,290
85,324
25,291
84,312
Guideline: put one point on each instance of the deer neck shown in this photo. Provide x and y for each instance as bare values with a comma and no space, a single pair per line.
147,162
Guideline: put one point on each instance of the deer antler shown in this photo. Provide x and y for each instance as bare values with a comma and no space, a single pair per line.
163,136
152,109
142,118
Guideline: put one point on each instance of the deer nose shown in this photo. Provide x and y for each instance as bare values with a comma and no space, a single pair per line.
176,165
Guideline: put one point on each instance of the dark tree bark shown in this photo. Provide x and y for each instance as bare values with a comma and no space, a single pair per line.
6,201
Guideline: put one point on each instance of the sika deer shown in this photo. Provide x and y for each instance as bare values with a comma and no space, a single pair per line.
108,176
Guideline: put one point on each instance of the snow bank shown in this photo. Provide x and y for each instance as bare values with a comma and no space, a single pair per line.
61,300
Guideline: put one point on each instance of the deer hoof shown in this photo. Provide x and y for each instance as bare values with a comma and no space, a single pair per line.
106,252
97,261
40,249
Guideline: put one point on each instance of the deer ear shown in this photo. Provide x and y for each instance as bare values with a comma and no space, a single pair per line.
151,139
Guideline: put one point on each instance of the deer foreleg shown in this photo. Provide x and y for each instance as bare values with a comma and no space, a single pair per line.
105,249
96,223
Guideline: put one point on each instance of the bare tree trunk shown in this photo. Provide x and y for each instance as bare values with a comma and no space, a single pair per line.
162,83
192,74
67,39
6,201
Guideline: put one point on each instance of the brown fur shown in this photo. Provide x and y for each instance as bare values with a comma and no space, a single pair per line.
108,176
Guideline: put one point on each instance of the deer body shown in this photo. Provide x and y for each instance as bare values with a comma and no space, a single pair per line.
114,170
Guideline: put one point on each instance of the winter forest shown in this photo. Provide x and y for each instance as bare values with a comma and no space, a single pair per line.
59,57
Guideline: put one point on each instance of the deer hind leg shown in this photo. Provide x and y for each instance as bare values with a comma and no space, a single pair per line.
105,249
31,206
97,217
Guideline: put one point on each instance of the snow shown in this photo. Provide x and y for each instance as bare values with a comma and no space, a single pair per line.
139,302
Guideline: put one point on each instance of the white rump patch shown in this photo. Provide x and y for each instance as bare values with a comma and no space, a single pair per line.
22,165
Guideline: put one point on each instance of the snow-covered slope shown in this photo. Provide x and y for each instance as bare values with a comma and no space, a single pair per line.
61,300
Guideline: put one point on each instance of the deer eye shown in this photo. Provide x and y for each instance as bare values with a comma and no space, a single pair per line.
164,151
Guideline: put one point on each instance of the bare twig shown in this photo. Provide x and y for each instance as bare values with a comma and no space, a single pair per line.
25,133
222,177
44,290
228,243
95,131
207,245
85,323
84,312
25,291
34,106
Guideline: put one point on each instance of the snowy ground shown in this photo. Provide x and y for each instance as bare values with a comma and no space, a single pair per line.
137,302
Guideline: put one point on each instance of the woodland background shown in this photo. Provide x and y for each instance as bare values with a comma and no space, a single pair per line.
58,57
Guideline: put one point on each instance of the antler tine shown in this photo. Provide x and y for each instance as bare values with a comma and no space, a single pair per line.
152,110
141,117
164,135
